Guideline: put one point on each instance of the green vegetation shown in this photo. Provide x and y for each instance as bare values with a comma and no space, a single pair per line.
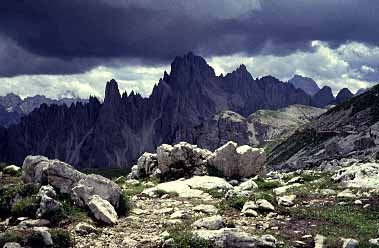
26,207
234,202
267,184
133,189
265,196
184,238
125,204
342,221
160,193
110,173
215,193
61,238
10,192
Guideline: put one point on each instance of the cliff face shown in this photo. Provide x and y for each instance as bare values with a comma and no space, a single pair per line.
115,133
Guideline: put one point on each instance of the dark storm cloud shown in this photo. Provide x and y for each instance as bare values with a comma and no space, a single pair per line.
73,36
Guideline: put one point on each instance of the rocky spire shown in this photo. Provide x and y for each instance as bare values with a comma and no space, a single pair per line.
112,94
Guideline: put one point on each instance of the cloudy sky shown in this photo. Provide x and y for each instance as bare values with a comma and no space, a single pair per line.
71,48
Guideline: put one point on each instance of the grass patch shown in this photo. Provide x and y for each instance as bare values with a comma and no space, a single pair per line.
267,185
61,238
161,193
133,189
125,204
26,207
342,221
184,238
234,202
110,173
215,193
265,196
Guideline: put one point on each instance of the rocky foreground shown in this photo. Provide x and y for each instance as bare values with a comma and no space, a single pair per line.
184,196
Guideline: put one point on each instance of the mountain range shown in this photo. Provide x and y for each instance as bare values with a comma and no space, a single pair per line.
114,133
12,107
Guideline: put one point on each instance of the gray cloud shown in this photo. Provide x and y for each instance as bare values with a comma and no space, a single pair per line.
65,37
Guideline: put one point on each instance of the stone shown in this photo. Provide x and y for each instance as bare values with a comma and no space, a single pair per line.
265,205
11,170
62,176
12,245
85,228
286,201
326,192
47,190
359,175
102,210
268,240
233,161
346,194
206,209
146,165
33,169
297,179
97,185
34,223
48,206
181,214
230,238
358,202
210,223
182,160
349,243
190,188
282,190
374,242
45,234
319,241
249,209
249,185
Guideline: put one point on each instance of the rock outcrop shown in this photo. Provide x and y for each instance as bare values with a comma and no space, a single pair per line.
233,161
115,133
80,187
359,175
186,160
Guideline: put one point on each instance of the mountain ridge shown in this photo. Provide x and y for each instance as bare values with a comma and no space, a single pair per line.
114,133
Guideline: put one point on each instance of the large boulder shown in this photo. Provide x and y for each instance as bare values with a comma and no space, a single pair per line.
182,160
102,210
33,169
62,176
359,175
66,180
236,162
97,185
146,165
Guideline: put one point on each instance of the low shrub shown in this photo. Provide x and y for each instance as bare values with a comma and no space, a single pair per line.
234,202
184,238
61,238
26,207
125,204
267,185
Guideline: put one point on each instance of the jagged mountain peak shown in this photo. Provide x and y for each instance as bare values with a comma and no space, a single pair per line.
308,85
189,67
112,93
343,95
